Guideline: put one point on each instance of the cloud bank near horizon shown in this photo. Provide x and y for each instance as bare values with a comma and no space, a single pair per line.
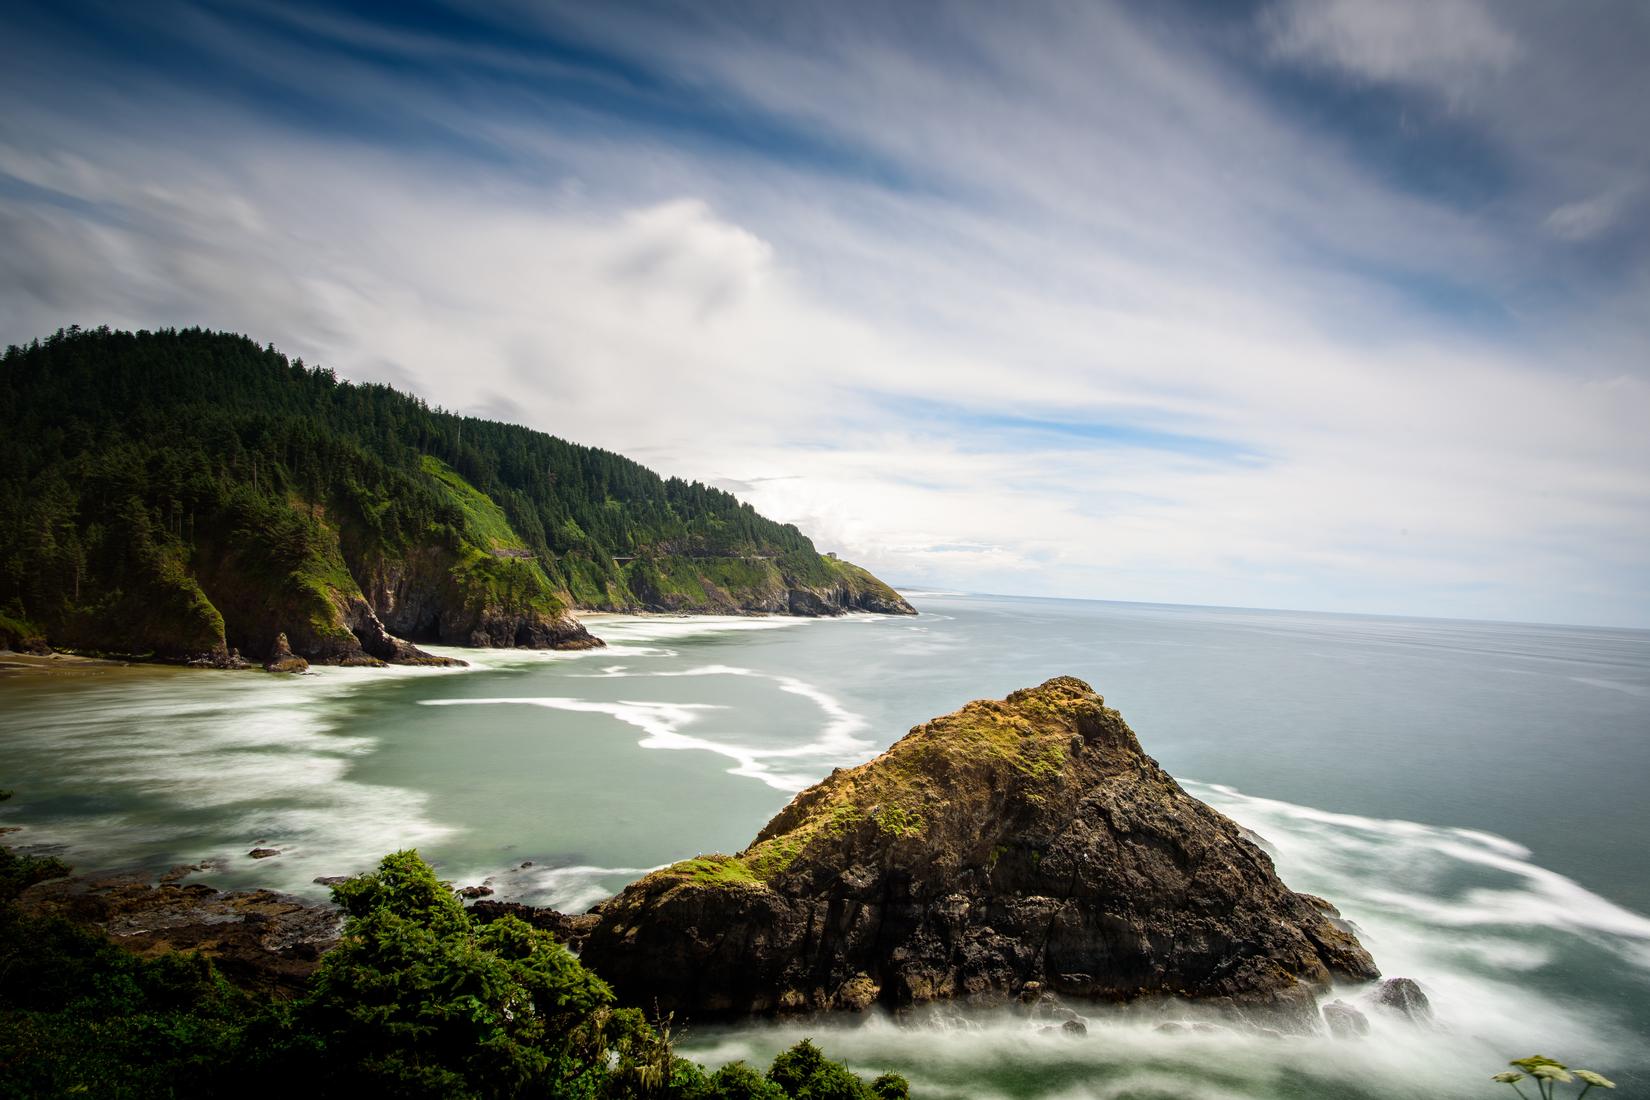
1328,305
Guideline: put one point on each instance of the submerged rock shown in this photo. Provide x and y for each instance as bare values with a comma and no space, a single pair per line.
1403,996
1022,844
1344,1021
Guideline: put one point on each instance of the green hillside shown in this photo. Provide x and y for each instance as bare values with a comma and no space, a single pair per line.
180,492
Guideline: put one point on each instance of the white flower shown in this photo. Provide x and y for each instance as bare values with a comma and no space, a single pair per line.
1592,1079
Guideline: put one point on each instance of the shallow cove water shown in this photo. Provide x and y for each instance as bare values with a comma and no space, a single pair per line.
1470,795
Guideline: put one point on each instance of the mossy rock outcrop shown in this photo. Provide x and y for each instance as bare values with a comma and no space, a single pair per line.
1026,840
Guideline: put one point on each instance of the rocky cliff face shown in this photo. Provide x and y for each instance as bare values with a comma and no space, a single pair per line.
695,583
1015,844
425,597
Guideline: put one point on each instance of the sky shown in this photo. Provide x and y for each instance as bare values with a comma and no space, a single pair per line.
1325,305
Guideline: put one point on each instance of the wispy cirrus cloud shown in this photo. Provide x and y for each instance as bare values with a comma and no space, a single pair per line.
1307,305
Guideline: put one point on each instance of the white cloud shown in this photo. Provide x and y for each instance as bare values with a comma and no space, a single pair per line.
1441,44
1114,233
1586,219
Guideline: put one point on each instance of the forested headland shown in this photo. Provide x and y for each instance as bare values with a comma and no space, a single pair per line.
184,493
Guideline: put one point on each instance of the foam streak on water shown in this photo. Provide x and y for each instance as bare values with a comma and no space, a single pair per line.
833,743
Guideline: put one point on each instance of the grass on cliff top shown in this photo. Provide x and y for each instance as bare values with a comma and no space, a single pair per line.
857,579
902,791
905,790
484,520
715,870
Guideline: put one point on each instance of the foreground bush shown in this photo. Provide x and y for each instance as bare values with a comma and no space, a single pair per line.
416,1001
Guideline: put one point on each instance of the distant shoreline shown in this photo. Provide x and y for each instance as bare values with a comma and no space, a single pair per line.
13,663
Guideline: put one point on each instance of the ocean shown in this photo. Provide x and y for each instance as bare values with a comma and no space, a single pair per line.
1471,795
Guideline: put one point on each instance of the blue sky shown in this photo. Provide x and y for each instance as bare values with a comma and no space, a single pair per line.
1327,305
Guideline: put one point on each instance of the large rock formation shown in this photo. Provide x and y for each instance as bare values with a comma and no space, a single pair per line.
429,596
1021,841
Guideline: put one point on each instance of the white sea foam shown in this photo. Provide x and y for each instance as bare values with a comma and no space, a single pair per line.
978,1054
836,738
221,749
1467,914
571,889
655,628
836,742
663,723
1415,855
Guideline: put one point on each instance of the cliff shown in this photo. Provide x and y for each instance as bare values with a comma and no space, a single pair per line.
187,495
1019,845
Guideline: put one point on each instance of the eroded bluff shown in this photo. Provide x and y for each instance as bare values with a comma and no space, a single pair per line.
1015,841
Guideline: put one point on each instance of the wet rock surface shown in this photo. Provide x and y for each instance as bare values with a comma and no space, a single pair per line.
259,939
1403,996
1027,840
282,659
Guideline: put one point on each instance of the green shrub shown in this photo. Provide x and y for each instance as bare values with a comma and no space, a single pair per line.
418,1001
415,1001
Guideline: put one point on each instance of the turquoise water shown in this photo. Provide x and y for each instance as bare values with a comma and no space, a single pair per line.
1468,793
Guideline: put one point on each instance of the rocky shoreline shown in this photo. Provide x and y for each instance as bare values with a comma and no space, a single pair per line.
260,939
381,648
1020,853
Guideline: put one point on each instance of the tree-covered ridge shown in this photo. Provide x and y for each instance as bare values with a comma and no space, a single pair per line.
185,487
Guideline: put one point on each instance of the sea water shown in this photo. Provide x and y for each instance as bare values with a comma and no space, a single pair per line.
1469,794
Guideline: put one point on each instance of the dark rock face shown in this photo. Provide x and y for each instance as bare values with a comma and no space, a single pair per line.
418,598
1023,841
819,602
259,939
880,603
570,930
379,644
221,657
282,659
